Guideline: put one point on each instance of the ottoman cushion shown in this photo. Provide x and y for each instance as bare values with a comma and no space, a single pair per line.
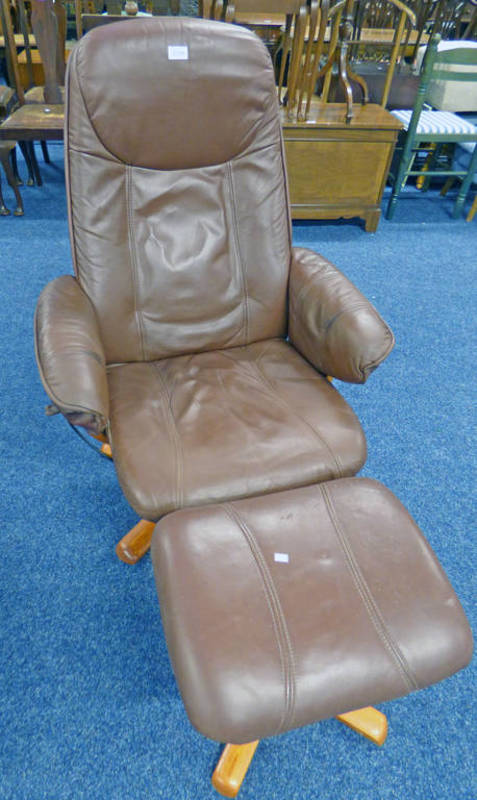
293,607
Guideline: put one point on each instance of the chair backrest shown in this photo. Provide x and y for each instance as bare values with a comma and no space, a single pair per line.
176,187
448,16
453,77
304,26
455,64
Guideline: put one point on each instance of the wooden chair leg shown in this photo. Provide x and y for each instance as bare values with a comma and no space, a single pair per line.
448,184
34,164
136,543
465,185
26,155
44,150
368,722
473,210
428,164
232,767
14,163
5,159
4,211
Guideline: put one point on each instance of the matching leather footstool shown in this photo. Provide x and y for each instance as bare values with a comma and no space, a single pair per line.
293,607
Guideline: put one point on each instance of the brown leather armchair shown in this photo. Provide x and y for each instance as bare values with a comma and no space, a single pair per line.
193,336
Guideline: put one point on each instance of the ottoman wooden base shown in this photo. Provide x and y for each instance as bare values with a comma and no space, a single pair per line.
289,608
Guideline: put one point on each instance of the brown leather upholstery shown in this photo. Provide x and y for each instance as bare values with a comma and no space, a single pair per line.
360,613
228,423
172,334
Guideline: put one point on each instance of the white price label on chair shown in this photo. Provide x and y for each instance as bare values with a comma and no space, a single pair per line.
178,52
282,558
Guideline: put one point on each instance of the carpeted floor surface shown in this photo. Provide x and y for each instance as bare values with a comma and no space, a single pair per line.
88,705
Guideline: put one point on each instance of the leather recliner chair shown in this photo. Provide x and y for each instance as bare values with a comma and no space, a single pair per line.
198,341
192,334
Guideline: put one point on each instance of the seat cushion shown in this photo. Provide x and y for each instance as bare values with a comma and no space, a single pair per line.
437,122
227,424
286,609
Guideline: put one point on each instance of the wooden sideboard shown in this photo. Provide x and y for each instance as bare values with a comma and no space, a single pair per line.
339,169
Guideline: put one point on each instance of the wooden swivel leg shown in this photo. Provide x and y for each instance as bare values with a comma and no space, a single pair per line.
136,543
368,722
232,767
105,448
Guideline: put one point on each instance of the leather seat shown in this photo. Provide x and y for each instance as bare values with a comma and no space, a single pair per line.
186,416
193,335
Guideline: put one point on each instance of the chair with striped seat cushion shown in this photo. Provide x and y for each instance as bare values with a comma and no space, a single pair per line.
427,130
441,123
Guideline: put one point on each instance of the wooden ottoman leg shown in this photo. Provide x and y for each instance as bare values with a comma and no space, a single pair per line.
368,722
232,767
136,543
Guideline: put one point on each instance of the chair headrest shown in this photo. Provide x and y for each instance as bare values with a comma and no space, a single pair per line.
172,93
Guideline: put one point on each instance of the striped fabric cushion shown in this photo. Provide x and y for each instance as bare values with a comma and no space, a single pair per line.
430,122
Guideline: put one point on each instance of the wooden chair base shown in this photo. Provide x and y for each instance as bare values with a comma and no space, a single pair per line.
368,722
236,758
106,450
136,543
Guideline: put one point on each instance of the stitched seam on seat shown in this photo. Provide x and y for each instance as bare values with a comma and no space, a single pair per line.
367,598
175,437
238,250
284,403
289,407
287,656
133,259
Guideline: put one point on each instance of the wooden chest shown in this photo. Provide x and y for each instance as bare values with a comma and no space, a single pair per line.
339,169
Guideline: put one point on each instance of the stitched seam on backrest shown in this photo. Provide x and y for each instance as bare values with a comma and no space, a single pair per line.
133,259
287,656
236,239
176,439
365,593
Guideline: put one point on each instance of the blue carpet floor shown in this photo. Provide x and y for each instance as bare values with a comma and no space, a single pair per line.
88,704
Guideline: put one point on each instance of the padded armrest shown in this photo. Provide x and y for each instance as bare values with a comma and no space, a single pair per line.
331,323
70,354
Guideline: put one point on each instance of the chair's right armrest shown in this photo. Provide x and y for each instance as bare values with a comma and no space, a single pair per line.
70,354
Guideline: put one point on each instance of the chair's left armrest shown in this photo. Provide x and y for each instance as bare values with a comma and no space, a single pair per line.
70,354
331,323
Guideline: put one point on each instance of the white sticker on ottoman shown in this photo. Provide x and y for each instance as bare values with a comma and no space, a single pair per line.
178,52
282,558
